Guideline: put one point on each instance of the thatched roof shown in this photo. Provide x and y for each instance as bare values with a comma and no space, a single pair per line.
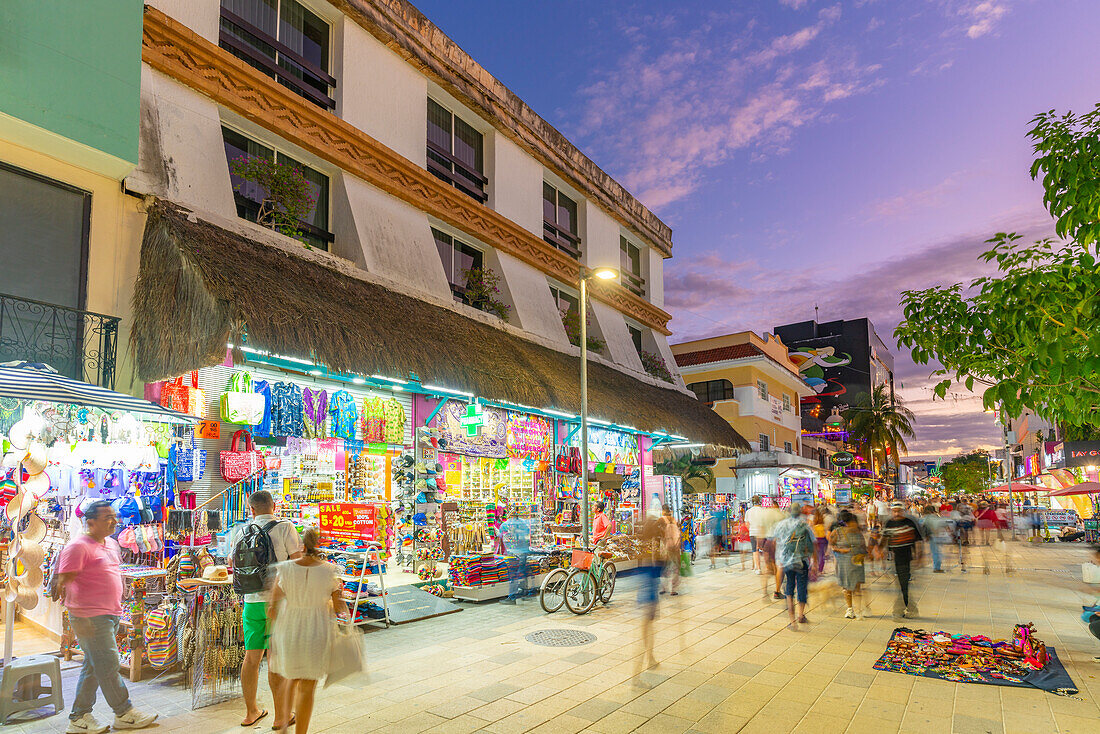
201,286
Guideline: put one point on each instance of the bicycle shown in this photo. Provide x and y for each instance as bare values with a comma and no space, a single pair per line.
591,579
552,593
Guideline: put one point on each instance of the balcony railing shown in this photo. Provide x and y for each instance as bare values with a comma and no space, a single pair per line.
633,283
457,173
562,239
78,344
276,59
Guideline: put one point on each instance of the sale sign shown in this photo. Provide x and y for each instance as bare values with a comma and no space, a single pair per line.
346,521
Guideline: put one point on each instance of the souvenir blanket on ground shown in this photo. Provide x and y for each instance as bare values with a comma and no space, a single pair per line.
1023,661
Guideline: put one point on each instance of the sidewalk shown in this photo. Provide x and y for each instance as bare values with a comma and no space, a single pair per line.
727,664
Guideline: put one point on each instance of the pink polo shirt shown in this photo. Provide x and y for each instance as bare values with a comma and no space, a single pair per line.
97,588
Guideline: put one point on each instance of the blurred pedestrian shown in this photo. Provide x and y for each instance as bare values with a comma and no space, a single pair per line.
903,537
795,550
670,532
938,532
850,550
89,583
756,517
650,563
515,532
817,523
305,595
743,542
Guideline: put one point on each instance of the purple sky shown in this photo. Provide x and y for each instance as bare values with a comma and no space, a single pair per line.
806,151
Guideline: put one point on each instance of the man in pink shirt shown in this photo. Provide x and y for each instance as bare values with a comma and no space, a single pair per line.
601,525
90,585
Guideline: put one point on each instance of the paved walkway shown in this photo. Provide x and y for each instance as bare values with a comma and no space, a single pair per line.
727,663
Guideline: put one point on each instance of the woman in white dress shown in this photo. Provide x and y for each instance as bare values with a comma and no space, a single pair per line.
305,594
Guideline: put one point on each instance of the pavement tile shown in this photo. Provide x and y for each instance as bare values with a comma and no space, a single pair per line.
495,691
718,722
595,709
618,722
962,724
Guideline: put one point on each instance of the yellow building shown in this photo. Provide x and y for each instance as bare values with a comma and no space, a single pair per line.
751,382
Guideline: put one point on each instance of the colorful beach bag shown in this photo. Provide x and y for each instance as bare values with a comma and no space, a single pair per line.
240,404
184,398
190,462
237,464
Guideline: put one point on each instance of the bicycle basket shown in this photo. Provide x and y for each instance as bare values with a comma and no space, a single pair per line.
582,559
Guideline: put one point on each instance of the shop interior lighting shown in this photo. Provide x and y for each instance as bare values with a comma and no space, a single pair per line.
358,380
389,379
316,373
437,388
684,445
558,413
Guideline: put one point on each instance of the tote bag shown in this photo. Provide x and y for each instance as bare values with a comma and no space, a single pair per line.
240,404
190,462
184,398
237,464
345,653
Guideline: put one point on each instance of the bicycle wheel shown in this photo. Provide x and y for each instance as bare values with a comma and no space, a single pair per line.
580,591
552,593
607,584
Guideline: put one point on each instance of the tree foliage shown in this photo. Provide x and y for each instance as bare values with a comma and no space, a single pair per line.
1030,336
288,196
882,420
968,473
483,292
688,471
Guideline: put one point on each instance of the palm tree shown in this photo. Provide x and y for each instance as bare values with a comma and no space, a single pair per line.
882,420
686,470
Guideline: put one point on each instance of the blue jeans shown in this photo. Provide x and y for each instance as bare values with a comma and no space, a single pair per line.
937,554
96,636
518,581
795,579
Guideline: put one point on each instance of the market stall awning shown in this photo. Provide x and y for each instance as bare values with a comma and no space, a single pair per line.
203,284
1017,487
32,381
1082,488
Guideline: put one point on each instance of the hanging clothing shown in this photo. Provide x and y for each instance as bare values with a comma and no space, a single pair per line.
263,428
343,414
315,405
373,420
286,410
393,416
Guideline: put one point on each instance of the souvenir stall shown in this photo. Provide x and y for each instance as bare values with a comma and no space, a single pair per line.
67,444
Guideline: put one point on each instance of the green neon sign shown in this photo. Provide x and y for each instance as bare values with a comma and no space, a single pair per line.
473,420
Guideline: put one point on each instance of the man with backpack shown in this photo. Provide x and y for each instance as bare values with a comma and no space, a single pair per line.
256,546
794,552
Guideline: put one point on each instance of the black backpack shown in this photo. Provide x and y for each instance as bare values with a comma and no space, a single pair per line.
252,555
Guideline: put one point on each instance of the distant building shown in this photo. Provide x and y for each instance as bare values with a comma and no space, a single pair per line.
751,382
840,360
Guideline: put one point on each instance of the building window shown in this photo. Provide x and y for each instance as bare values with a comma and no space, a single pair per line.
285,41
765,445
630,262
636,337
458,258
248,196
565,301
456,152
762,389
559,221
712,391
787,447
786,403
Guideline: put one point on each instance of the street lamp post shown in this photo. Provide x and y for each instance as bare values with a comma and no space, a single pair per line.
585,276
1008,472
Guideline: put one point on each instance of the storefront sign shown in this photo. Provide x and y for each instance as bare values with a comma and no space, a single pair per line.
1031,465
344,521
842,458
843,496
796,485
1082,453
489,440
777,409
529,437
803,497
611,447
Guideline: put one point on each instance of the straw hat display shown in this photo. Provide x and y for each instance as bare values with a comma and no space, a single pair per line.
25,551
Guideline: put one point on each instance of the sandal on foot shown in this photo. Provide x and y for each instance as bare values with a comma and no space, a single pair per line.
253,722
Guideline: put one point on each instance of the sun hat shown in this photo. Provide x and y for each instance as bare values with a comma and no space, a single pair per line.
897,505
216,574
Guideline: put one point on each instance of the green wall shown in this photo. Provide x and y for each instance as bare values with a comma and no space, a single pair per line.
73,67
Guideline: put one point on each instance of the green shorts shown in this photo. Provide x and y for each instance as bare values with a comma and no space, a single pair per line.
254,617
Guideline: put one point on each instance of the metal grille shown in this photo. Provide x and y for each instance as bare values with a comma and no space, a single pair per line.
560,638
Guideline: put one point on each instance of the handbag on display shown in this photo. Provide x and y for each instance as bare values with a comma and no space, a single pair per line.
237,464
240,404
190,462
187,399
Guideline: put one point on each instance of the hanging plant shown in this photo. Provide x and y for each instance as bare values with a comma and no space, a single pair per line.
572,323
483,292
655,365
288,198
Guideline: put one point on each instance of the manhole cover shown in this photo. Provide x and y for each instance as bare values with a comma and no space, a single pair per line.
560,638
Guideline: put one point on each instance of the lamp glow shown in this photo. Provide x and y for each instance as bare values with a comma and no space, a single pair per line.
606,273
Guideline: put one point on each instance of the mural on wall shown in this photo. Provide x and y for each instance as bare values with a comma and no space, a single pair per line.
812,364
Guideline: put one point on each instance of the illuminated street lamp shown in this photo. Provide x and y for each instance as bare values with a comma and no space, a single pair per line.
602,273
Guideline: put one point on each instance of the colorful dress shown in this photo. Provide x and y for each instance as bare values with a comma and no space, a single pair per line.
286,410
315,407
373,420
344,414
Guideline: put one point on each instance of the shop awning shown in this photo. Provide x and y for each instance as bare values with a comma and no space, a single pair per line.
1017,487
1082,488
31,381
203,284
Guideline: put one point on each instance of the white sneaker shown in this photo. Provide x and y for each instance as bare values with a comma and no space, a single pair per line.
850,614
134,719
758,572
86,724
